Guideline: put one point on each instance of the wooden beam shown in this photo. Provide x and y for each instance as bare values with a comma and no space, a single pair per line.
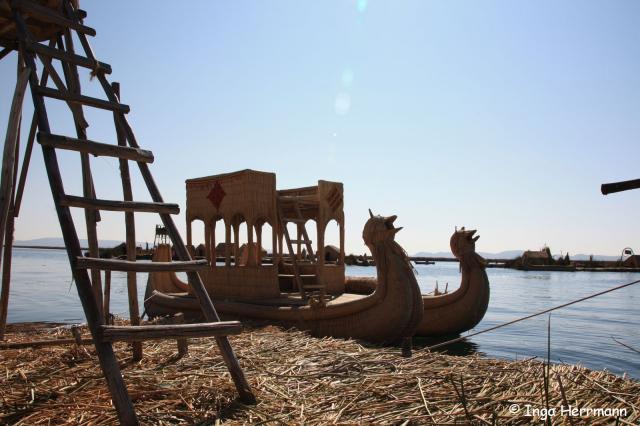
133,266
4,52
130,229
72,58
48,14
116,333
95,148
610,188
82,100
44,343
119,206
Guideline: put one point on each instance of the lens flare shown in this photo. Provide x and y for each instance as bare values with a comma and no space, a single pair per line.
347,77
342,104
362,6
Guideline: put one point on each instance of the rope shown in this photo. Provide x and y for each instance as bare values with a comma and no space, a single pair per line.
458,339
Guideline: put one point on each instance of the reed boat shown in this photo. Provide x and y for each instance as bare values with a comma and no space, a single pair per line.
298,287
450,313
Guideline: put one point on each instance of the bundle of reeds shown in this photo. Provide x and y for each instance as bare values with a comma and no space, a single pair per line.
301,379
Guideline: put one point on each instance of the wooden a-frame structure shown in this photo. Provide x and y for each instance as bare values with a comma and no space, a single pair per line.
24,25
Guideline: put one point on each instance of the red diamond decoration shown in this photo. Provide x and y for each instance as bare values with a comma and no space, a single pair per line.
216,195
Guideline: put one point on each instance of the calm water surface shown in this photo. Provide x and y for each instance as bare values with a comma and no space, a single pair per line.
42,290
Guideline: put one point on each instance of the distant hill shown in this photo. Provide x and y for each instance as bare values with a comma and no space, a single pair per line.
59,242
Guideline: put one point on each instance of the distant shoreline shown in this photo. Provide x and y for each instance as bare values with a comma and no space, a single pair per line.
45,247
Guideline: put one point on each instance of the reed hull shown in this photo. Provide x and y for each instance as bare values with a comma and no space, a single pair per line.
446,314
392,312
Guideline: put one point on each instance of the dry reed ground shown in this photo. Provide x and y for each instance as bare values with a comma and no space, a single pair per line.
297,379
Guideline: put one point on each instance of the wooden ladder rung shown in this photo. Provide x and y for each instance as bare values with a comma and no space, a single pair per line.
295,220
83,100
138,333
95,148
132,266
301,276
119,206
82,61
47,14
300,241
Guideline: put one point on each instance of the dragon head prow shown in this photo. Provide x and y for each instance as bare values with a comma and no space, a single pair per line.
379,228
463,242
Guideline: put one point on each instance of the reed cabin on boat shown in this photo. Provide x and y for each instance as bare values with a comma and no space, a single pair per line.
249,199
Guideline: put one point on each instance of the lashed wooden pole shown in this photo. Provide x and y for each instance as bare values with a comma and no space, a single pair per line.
88,191
130,229
9,154
7,191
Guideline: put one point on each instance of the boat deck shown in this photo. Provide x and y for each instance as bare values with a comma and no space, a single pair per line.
294,299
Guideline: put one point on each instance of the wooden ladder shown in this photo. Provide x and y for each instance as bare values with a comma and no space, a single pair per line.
307,284
86,270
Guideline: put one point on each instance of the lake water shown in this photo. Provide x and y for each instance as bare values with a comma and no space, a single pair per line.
42,290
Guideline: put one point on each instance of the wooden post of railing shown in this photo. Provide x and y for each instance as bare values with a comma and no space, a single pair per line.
107,296
130,227
183,347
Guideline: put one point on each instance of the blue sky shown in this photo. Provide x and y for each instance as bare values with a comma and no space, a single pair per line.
499,115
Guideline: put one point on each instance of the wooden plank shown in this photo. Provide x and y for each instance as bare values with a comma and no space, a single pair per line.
303,241
116,333
118,206
48,14
293,276
51,52
610,188
95,148
4,52
295,220
108,360
44,343
133,266
82,100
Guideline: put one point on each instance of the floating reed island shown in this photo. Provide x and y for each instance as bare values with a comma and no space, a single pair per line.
300,379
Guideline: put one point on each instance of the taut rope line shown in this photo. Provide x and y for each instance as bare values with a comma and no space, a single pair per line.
458,339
